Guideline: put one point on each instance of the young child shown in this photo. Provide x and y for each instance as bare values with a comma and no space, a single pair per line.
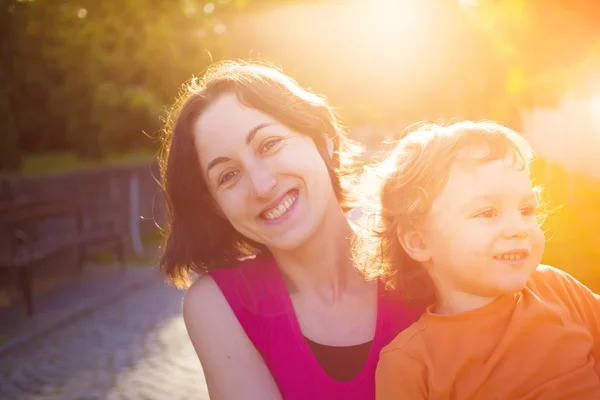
457,230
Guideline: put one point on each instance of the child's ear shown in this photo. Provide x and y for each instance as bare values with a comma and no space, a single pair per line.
413,243
329,143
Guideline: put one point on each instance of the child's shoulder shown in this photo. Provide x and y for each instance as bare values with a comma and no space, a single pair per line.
408,338
548,280
548,274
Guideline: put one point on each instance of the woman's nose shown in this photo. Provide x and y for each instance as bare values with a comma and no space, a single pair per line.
263,180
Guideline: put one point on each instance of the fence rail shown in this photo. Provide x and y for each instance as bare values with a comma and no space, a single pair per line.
129,191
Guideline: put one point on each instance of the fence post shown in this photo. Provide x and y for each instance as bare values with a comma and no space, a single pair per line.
134,213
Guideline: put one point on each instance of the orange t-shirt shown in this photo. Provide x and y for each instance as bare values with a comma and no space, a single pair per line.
540,343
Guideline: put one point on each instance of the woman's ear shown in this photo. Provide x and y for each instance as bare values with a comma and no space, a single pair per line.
413,243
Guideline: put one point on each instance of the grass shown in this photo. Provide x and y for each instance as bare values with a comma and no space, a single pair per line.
108,258
150,240
41,164
573,229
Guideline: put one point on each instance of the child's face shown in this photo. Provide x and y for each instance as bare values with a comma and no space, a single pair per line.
481,234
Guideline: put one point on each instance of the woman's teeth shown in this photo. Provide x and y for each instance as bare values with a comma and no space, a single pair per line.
278,211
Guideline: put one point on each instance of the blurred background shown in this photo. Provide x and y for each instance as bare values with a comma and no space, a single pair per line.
84,85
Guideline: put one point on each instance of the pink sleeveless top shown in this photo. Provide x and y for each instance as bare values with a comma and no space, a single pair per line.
257,295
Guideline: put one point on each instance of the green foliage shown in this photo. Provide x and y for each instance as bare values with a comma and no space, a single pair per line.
48,163
93,77
10,157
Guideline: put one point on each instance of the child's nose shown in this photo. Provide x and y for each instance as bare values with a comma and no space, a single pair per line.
516,226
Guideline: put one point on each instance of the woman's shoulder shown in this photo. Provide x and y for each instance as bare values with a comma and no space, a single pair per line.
212,324
251,290
250,277
250,268
396,312
205,307
252,287
236,280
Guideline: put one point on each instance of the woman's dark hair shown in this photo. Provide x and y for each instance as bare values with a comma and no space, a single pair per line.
197,239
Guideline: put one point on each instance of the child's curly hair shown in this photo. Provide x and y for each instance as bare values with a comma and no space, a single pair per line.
408,181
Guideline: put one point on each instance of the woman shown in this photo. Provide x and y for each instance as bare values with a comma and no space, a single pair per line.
255,170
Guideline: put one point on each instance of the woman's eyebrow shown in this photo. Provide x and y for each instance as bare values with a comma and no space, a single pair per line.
249,138
255,130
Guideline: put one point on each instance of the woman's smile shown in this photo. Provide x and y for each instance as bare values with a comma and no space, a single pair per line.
282,209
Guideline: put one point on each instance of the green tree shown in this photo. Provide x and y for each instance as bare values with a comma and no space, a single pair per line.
10,153
91,76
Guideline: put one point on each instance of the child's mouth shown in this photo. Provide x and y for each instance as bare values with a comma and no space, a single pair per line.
514,256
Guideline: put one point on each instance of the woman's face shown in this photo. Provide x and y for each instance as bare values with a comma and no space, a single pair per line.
269,181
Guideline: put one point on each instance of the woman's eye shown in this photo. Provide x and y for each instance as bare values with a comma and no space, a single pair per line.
490,213
268,145
227,177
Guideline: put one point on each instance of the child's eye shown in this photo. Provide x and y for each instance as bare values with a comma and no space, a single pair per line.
228,176
268,145
489,213
529,211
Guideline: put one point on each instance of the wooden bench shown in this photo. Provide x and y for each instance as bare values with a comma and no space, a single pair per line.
33,231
